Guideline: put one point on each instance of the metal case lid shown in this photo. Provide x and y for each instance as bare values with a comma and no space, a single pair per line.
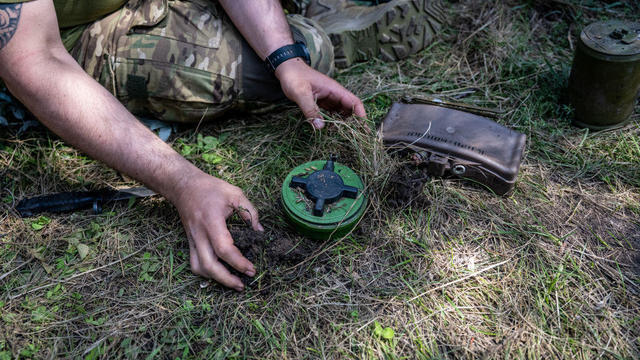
613,37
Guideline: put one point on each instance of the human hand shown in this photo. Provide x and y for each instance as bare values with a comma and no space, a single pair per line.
310,88
204,204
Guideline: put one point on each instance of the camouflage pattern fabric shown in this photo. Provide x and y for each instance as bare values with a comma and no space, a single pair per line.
295,6
176,61
300,6
316,40
261,91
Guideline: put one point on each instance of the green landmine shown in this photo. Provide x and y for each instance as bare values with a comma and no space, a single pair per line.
332,219
605,77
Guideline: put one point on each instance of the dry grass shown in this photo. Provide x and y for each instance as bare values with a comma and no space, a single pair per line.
553,271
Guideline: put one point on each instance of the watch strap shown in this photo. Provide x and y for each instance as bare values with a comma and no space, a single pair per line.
298,49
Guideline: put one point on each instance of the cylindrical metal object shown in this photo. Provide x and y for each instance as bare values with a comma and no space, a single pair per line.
338,219
605,77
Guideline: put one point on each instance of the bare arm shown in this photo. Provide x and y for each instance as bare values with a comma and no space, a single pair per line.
264,26
39,71
261,22
52,85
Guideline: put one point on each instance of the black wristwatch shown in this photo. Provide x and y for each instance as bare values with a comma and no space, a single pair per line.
299,49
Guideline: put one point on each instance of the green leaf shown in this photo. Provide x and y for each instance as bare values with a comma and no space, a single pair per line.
132,200
377,329
29,350
74,239
9,317
188,305
153,354
388,333
36,226
40,223
186,150
57,290
83,251
211,158
210,142
40,314
99,321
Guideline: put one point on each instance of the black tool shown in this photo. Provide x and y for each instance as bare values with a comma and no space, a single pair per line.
324,187
78,200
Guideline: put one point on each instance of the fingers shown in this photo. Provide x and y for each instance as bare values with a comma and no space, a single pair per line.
209,264
350,104
329,105
222,243
204,217
193,258
336,97
358,108
249,214
304,86
307,103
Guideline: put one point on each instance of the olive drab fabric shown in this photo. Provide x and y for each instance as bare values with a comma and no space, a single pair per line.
78,12
175,60
317,41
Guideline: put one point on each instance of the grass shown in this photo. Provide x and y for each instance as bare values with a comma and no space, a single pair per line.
552,271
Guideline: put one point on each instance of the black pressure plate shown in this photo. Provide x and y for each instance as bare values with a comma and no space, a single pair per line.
324,187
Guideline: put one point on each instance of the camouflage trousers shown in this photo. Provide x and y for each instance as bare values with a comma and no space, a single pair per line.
295,6
184,61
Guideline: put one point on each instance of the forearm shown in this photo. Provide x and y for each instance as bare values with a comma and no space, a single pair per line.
84,114
41,73
262,23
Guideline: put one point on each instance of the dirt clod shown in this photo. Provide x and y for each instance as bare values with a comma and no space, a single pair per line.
404,188
269,251
272,249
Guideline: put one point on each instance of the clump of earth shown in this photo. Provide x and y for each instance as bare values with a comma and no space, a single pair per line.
404,188
271,251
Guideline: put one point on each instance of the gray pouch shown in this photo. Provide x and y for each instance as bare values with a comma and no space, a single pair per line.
451,142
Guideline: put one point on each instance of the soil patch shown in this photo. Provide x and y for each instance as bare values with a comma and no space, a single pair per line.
405,187
619,232
272,250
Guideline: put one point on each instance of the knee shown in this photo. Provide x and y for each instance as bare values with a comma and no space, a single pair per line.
317,41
